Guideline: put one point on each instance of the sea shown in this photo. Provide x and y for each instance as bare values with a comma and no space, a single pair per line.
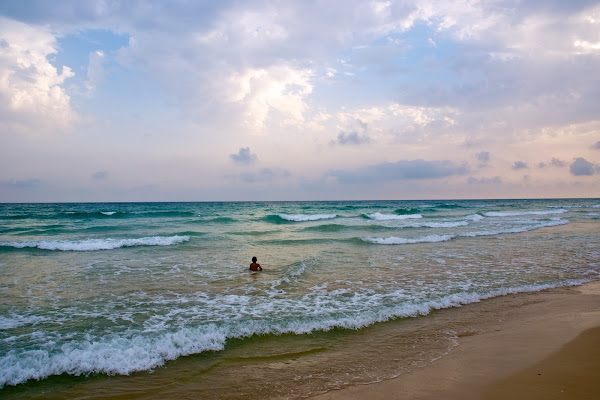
156,300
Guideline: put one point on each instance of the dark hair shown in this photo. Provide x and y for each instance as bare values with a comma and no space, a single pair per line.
253,259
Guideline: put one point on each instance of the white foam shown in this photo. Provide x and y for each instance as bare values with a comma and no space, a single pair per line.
324,310
108,212
114,355
304,217
519,213
19,320
388,217
474,217
398,240
526,228
97,244
442,224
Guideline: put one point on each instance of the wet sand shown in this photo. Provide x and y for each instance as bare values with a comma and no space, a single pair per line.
549,348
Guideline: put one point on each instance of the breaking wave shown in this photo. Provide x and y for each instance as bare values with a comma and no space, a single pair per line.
96,244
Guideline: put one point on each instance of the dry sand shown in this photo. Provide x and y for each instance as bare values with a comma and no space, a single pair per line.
549,348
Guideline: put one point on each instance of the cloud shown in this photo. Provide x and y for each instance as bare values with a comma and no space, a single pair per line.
100,175
581,167
32,95
400,170
555,162
243,157
352,138
261,92
484,156
484,181
519,165
597,145
21,184
95,70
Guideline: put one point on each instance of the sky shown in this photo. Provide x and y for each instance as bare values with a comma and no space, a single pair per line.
189,100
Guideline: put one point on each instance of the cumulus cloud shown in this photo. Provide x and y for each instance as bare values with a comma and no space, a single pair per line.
519,165
243,156
31,89
352,138
263,91
581,167
400,170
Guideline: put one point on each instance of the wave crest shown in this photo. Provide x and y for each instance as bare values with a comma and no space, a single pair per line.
388,217
520,213
398,240
305,217
96,244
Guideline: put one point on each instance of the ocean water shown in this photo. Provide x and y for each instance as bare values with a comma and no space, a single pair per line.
142,292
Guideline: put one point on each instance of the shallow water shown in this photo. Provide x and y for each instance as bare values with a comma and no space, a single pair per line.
91,290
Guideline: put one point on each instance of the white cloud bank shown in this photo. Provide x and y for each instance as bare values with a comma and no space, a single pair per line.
31,89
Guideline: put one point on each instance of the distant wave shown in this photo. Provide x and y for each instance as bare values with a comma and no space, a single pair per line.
578,206
526,228
305,217
387,217
96,244
442,238
475,217
398,240
97,214
519,213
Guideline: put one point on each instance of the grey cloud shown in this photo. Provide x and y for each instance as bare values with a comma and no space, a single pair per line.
519,165
484,181
400,170
21,184
352,138
484,156
581,166
244,156
597,145
555,162
100,175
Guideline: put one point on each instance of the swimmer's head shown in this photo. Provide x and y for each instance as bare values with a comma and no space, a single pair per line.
254,259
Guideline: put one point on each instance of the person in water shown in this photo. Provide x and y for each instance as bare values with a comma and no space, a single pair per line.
255,266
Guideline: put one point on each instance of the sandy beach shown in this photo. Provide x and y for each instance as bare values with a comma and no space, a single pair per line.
549,348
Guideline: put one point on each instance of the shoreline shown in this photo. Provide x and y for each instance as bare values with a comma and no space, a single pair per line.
498,363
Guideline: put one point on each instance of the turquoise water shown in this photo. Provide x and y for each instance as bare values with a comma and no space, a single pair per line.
116,288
